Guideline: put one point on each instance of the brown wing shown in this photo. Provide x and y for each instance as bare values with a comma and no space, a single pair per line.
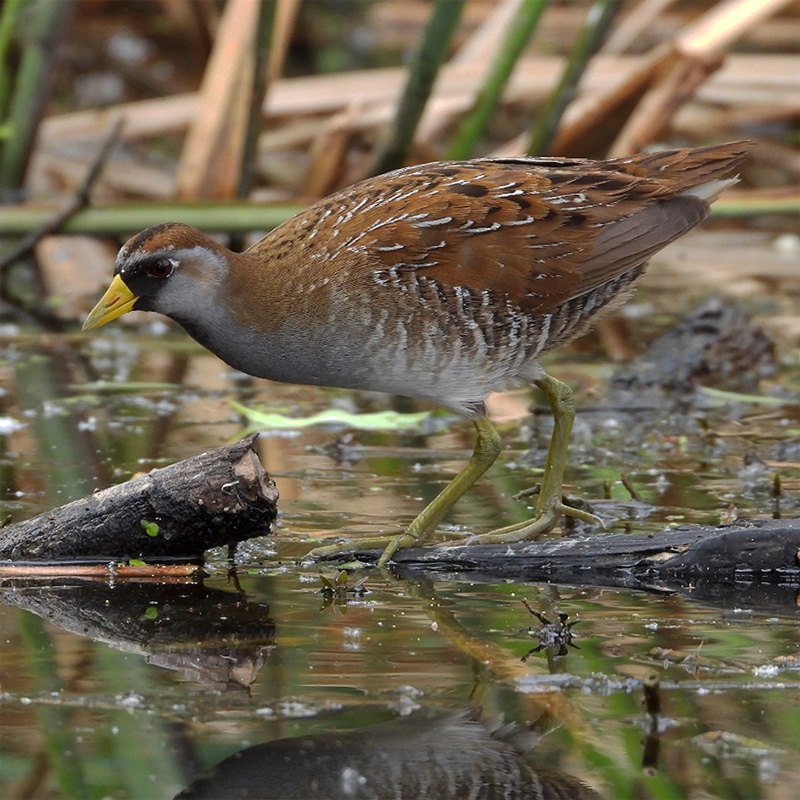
539,231
480,225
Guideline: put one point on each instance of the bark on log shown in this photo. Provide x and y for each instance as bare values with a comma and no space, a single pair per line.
210,500
697,558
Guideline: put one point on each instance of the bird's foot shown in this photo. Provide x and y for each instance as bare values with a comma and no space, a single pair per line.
390,545
532,529
349,546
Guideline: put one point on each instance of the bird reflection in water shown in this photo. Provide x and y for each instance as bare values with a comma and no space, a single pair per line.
431,754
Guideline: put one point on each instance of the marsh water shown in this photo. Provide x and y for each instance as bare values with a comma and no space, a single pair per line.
384,687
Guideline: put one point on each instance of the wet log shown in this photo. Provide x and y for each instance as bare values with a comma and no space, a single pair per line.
214,499
701,560
747,549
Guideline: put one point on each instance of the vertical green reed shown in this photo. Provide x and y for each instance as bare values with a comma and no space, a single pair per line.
43,23
424,67
519,32
598,20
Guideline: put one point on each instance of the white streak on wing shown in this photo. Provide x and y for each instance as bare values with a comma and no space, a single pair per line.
359,204
397,196
431,223
388,221
467,181
352,240
415,264
493,227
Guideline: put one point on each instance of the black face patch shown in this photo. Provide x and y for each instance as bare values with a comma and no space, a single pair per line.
143,303
146,275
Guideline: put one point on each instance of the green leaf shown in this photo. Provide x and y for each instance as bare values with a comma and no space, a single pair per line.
150,528
377,421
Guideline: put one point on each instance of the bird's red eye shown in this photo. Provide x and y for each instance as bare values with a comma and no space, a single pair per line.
161,268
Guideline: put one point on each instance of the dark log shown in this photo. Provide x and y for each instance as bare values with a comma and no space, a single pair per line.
755,559
210,500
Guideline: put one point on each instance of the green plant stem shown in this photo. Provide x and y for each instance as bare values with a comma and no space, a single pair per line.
8,20
125,218
79,200
519,31
597,23
422,73
241,217
755,206
48,22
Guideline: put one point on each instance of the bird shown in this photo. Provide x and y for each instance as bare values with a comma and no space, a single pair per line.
443,281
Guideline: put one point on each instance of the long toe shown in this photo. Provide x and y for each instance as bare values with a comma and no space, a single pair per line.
389,544
530,530
347,547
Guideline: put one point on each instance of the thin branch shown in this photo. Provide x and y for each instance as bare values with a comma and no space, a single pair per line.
78,201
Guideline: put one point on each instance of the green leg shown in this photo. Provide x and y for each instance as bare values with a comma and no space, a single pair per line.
487,448
549,506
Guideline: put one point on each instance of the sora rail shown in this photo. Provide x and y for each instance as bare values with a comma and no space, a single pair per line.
443,282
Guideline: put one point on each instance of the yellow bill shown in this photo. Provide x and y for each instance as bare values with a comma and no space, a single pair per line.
117,300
